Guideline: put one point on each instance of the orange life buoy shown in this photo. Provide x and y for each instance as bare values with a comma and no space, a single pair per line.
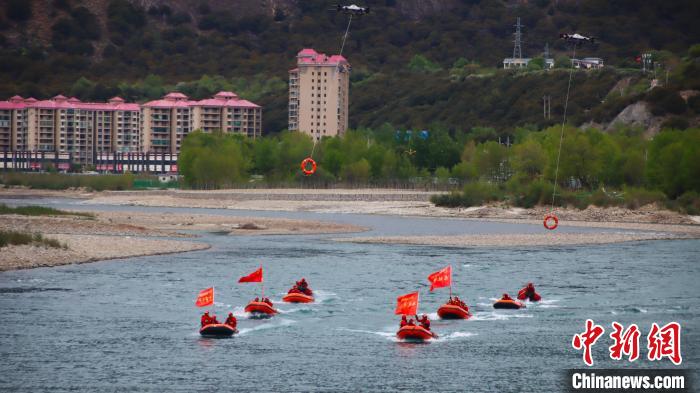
547,219
307,171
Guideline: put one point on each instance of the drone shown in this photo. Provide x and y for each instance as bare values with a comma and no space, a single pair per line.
353,9
577,38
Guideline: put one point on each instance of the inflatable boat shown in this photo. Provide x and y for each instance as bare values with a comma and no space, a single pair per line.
217,330
508,304
297,297
260,309
415,332
452,311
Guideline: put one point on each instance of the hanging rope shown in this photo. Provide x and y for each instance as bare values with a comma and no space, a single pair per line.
563,122
345,37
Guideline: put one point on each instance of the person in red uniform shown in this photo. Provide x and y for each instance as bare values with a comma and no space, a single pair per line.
206,319
506,297
529,293
304,287
268,301
424,322
231,320
404,322
214,321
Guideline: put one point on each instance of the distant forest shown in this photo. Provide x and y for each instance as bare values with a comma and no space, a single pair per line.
414,66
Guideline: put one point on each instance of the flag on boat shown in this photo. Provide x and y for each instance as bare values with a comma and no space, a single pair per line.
407,304
442,278
205,297
256,276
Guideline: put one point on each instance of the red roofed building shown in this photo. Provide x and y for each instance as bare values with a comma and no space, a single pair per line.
67,125
167,121
319,94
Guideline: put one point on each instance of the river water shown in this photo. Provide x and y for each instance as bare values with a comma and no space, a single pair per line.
131,324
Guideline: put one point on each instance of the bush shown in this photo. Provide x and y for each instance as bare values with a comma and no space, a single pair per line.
637,197
39,211
8,238
689,203
664,100
538,192
473,194
55,181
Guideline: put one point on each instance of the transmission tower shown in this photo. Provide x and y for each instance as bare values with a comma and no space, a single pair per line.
517,49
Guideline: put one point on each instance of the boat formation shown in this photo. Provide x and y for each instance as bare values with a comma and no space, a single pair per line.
411,327
454,308
260,307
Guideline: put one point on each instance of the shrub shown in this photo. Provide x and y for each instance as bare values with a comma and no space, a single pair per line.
689,203
39,211
637,197
19,238
473,194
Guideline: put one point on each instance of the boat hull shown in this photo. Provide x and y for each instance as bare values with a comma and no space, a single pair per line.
415,333
508,304
260,309
451,311
217,330
297,298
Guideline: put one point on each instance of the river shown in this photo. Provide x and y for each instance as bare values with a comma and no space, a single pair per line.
131,324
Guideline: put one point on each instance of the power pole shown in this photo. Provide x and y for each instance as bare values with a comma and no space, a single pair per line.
517,49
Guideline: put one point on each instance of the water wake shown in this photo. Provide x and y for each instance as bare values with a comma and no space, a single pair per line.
279,322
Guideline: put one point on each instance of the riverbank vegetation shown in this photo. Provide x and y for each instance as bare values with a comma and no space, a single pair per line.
89,182
40,211
621,168
9,238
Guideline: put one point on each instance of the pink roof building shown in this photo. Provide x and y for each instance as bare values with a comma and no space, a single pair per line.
319,94
167,121
68,125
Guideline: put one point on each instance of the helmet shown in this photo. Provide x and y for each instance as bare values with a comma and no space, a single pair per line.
230,314
206,312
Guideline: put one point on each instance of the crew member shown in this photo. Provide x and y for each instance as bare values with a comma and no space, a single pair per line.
268,301
206,319
231,320
214,320
424,322
404,322
506,297
529,293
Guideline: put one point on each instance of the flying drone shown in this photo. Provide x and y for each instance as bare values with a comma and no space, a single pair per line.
352,9
577,38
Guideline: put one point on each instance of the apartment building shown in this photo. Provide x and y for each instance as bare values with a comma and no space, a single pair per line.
167,121
228,113
86,129
319,94
67,125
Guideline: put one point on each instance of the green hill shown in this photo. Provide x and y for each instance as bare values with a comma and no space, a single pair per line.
415,63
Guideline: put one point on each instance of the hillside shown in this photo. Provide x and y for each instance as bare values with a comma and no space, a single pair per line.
415,63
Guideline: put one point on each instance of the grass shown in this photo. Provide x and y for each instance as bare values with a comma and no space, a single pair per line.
40,211
19,238
59,181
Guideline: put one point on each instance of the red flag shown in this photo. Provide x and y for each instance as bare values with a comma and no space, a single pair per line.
205,297
256,276
442,278
407,304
